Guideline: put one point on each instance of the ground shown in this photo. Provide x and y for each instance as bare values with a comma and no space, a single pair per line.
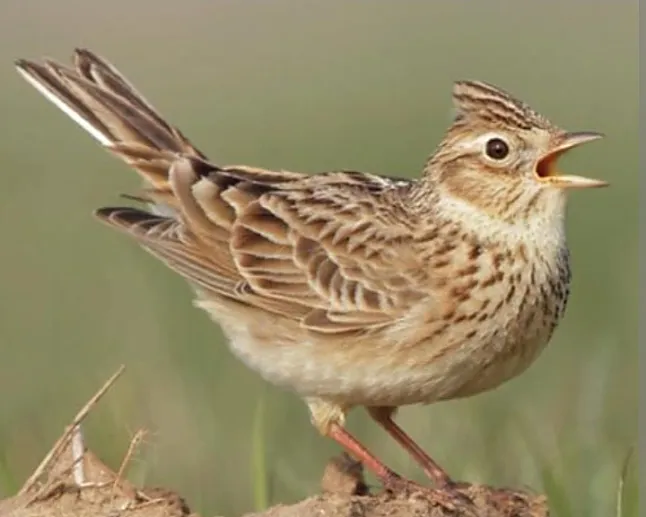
72,481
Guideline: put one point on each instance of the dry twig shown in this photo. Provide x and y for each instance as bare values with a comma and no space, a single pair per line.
58,448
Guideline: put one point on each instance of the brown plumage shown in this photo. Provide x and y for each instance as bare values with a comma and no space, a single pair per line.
354,289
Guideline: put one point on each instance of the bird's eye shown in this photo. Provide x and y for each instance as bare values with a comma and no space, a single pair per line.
497,149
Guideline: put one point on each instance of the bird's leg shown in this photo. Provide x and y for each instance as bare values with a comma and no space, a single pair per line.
383,416
328,418
386,475
443,493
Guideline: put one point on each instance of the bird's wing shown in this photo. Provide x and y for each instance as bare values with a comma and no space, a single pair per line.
322,249
314,249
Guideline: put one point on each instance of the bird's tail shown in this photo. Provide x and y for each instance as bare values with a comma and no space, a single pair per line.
102,101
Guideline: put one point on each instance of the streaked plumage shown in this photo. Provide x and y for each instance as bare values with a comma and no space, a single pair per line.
354,289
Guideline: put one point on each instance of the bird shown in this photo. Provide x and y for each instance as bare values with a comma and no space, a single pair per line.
348,288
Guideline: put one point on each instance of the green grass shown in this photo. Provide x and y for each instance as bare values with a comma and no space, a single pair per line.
259,459
310,87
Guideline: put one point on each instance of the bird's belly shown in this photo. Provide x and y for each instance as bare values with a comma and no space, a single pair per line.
361,374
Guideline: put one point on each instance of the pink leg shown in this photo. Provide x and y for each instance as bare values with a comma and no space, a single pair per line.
383,416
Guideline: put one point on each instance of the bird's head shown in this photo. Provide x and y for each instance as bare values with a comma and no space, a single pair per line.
500,157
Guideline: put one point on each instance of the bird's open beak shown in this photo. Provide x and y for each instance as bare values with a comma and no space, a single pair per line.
546,169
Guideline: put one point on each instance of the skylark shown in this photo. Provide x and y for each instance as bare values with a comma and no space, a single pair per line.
354,289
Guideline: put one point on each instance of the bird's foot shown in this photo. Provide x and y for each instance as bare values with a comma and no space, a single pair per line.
446,494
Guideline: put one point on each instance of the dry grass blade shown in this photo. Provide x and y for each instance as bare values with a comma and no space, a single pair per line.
134,443
68,435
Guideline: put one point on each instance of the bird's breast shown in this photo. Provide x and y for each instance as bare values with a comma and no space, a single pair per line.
494,322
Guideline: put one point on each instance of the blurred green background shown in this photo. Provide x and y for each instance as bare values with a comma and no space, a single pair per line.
306,86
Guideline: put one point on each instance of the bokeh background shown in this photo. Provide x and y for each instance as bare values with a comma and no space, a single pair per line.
307,86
